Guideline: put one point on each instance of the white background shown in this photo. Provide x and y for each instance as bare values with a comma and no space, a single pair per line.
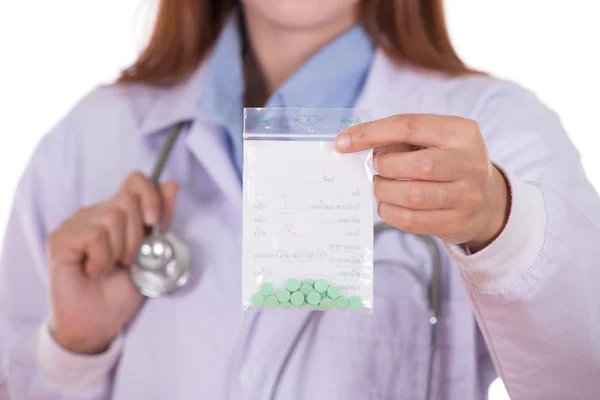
53,52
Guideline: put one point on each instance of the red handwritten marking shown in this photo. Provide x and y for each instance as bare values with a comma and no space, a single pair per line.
355,253
289,229
362,259
284,200
321,252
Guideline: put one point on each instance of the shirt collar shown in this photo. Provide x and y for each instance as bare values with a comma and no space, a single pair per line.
332,77
215,89
322,82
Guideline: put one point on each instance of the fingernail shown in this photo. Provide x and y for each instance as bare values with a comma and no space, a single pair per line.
342,142
150,216
375,160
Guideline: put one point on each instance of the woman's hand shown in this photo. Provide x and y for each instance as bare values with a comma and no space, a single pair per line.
92,296
435,177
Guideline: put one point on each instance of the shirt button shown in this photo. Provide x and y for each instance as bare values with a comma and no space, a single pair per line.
251,374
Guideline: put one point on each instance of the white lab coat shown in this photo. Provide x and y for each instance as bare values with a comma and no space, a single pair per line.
534,292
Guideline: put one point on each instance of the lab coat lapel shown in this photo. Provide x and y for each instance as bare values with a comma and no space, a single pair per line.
204,139
376,93
390,90
209,146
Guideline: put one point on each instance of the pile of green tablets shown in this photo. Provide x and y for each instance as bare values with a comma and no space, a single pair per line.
316,294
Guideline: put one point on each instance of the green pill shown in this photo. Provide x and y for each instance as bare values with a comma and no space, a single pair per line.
266,289
297,299
306,289
292,285
313,298
283,296
285,304
355,302
321,286
334,291
341,302
258,299
271,302
308,282
314,306
326,303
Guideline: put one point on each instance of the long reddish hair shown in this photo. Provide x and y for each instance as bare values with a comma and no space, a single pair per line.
410,32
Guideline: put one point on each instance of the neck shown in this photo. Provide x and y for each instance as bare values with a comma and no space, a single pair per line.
280,51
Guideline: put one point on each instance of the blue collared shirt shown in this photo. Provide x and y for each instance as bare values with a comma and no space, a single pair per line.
331,78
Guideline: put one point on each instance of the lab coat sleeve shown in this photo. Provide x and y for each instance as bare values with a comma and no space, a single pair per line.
32,365
535,290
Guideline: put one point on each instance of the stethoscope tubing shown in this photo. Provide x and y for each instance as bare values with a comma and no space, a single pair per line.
434,295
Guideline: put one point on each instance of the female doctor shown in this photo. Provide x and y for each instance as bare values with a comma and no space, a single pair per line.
492,175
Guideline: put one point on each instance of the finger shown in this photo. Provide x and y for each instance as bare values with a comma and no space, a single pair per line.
66,240
395,148
416,129
134,224
428,165
68,243
418,195
114,220
169,191
82,217
150,201
99,256
392,148
431,222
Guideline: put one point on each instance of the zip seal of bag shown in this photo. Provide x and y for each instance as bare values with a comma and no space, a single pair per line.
307,212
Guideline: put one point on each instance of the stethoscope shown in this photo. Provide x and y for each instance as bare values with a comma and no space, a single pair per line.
163,262
163,265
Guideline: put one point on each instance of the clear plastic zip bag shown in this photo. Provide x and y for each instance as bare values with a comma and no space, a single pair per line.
307,213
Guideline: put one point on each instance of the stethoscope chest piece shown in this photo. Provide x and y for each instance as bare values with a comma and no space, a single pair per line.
162,265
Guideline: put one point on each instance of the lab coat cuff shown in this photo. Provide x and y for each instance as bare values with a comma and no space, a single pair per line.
496,267
73,374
